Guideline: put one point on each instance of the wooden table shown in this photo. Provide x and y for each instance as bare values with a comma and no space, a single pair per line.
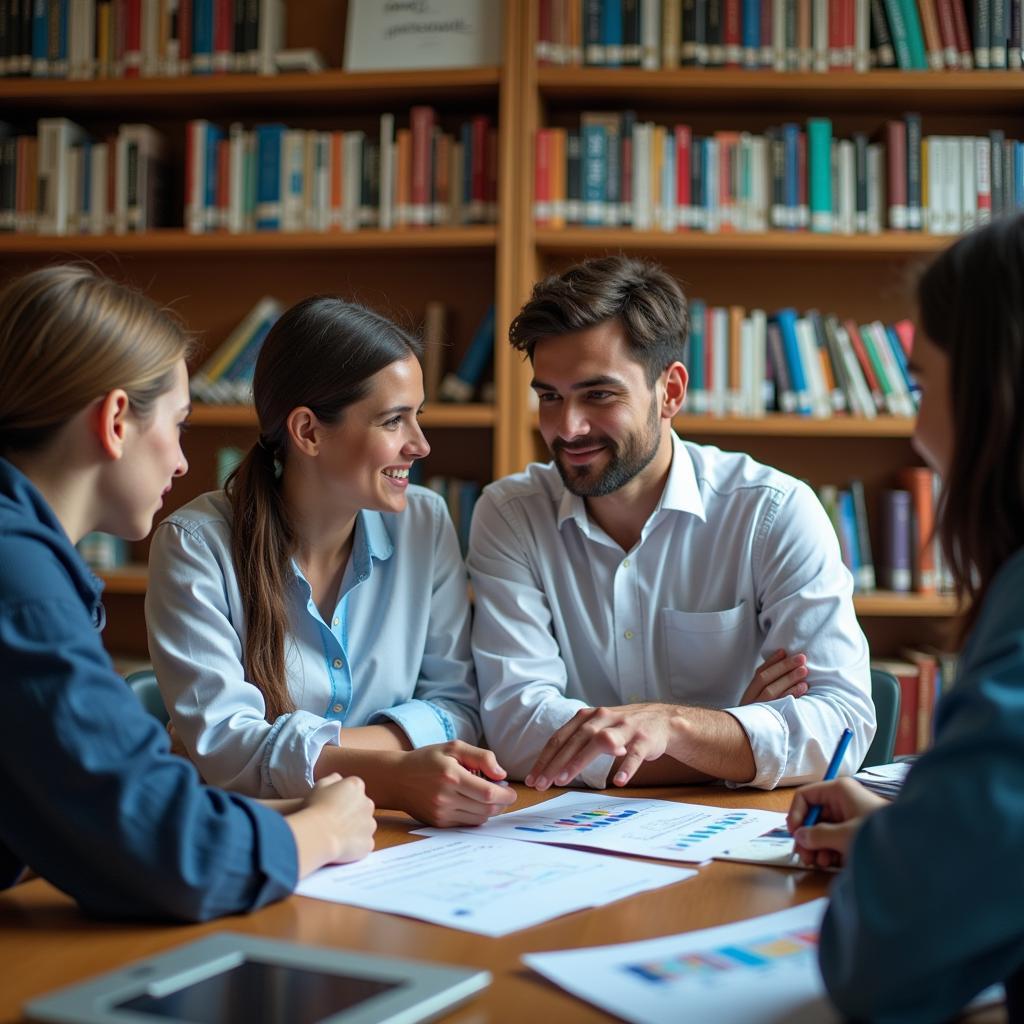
46,942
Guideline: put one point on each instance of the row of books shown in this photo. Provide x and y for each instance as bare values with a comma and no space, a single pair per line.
85,39
616,170
278,178
786,35
924,674
907,557
746,363
225,377
61,181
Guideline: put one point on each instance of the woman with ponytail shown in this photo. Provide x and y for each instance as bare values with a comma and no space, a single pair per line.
313,617
93,395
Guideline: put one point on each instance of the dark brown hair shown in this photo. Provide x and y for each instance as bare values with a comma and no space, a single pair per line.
69,335
971,304
640,293
320,354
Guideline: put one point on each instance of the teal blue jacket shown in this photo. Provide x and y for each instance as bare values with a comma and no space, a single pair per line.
930,909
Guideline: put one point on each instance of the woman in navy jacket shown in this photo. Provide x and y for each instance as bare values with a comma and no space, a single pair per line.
93,396
930,908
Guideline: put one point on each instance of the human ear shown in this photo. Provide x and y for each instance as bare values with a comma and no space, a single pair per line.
304,430
675,381
111,423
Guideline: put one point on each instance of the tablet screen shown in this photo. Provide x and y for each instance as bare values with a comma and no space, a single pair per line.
254,992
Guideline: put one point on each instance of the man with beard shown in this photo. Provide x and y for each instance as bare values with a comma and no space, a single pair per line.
626,592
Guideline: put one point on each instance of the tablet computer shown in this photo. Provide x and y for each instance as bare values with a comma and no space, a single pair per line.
230,978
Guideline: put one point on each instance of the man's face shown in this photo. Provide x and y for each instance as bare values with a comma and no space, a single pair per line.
598,416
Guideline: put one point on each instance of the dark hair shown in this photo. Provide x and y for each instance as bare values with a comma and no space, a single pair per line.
320,354
640,293
971,303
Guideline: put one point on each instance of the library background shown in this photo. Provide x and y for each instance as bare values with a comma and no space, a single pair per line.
790,161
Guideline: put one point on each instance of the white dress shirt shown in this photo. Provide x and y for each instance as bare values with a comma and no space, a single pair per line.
396,647
737,561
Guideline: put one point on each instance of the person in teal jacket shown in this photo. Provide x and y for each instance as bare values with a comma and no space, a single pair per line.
929,909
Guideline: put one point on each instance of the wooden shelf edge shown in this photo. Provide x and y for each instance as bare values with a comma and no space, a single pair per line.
436,415
886,245
892,605
129,579
368,88
781,425
988,90
173,240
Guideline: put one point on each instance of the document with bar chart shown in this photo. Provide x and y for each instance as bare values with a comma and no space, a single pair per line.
691,833
762,969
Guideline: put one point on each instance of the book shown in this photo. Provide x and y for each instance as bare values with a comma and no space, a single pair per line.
906,673
460,385
434,341
896,561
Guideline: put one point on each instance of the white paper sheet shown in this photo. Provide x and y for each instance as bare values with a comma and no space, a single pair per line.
761,970
479,884
691,833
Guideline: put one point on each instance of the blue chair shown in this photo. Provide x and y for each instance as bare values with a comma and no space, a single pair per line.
143,685
885,692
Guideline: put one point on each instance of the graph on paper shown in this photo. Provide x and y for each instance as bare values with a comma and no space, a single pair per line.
651,828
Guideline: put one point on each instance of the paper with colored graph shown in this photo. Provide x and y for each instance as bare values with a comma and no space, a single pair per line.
692,833
490,886
762,969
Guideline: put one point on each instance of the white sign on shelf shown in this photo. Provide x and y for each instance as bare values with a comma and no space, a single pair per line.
400,35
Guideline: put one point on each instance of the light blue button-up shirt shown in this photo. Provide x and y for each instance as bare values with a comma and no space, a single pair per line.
396,646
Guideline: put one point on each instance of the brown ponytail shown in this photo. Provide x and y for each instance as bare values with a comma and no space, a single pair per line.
320,355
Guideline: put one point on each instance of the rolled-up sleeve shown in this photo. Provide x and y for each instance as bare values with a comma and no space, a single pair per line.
519,667
445,703
94,801
804,595
197,653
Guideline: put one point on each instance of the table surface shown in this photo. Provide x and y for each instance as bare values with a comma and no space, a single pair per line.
46,942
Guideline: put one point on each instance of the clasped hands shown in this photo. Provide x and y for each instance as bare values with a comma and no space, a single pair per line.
636,733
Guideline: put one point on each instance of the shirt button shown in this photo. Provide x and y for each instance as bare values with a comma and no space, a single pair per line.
338,662
628,634
338,708
625,563
337,622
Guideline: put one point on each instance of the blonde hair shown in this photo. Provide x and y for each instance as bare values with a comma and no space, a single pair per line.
69,335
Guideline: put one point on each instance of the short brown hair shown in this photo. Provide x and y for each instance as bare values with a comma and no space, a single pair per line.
640,293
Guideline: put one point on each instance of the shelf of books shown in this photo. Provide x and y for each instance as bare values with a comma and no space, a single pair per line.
176,153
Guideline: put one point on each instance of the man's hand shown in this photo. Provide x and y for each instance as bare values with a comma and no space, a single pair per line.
779,676
446,784
634,732
845,803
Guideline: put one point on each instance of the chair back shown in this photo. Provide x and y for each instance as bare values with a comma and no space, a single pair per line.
143,684
885,692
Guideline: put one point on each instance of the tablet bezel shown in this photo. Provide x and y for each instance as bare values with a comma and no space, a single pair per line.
424,991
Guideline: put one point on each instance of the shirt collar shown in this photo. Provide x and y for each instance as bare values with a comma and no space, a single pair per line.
370,540
681,493
19,495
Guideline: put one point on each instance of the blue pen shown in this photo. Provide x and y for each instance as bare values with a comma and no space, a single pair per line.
830,773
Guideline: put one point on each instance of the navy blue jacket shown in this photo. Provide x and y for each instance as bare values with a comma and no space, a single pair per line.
90,796
930,910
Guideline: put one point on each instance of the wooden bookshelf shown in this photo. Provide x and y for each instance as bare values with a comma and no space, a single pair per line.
128,580
438,415
232,94
776,425
175,241
785,92
888,604
774,244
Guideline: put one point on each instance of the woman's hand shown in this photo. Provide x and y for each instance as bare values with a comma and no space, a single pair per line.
334,824
447,784
845,803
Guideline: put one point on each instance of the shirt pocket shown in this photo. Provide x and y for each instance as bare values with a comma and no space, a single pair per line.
707,654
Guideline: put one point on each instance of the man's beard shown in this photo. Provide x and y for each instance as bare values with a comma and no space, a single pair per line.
625,461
